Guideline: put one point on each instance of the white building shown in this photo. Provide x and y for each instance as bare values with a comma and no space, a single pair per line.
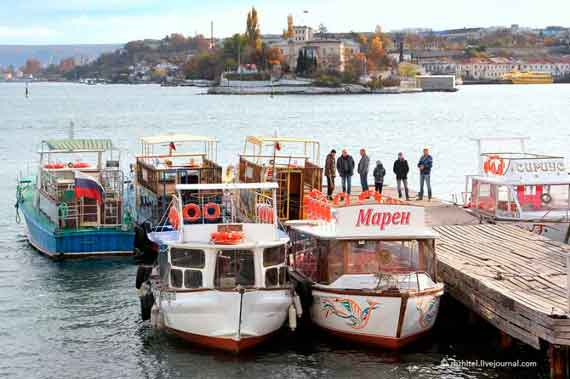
330,53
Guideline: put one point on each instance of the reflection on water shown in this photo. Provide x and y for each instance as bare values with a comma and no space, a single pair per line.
81,319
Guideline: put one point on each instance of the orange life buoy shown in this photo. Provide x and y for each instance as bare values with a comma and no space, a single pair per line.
195,209
173,218
54,165
208,214
494,165
227,238
368,194
344,196
265,213
80,165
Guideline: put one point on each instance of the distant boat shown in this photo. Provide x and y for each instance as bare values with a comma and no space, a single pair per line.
529,77
76,208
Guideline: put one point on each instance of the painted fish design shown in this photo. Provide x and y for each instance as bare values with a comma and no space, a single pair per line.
349,310
427,309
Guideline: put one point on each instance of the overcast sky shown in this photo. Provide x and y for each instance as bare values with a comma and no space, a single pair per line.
118,21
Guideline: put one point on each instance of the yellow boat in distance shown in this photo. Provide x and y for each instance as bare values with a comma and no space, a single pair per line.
529,77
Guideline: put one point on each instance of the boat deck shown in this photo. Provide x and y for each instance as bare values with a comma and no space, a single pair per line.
514,279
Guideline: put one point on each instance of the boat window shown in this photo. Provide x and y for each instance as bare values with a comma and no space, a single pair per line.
283,276
271,277
176,278
543,198
187,258
305,250
192,279
274,256
233,268
370,257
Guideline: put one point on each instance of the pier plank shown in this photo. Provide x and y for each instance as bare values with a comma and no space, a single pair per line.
513,278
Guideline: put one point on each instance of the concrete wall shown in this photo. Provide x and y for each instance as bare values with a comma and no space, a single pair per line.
436,82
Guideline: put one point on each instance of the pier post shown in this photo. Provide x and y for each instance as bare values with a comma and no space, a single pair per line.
506,341
558,357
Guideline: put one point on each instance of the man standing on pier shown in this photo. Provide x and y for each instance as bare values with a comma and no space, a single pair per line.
363,166
330,172
425,164
345,168
401,170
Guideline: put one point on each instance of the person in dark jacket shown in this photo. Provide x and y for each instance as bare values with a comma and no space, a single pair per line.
330,172
363,165
401,170
345,168
379,174
425,164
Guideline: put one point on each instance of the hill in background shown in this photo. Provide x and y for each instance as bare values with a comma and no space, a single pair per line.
17,54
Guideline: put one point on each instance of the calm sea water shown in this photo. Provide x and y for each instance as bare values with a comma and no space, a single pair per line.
81,319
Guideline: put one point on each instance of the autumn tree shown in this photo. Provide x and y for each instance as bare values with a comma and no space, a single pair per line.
66,65
32,67
408,70
274,56
252,32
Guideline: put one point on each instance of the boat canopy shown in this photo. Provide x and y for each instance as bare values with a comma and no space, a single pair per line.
167,138
370,222
260,140
85,145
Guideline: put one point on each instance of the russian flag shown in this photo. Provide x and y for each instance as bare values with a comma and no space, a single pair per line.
88,187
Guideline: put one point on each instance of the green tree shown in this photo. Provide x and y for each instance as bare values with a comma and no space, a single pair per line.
252,32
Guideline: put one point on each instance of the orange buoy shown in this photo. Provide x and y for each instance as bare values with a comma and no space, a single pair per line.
191,212
227,238
173,218
341,197
211,211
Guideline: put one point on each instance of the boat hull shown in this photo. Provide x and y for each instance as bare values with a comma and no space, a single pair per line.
389,321
226,320
78,244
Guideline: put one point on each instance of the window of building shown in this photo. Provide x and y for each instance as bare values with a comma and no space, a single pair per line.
233,268
176,278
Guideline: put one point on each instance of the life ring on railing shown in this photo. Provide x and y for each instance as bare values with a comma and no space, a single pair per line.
546,198
70,165
173,218
344,196
226,238
211,211
196,213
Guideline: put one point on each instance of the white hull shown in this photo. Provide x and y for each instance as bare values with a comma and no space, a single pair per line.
212,317
379,320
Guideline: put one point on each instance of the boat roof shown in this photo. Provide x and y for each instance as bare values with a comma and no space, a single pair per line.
227,186
370,221
167,138
260,140
69,144
545,180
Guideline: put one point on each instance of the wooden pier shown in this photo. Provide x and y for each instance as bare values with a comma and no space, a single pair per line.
514,279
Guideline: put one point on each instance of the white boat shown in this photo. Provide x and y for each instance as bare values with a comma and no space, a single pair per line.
368,267
519,187
223,283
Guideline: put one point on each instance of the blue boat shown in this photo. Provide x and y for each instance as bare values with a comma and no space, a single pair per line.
73,207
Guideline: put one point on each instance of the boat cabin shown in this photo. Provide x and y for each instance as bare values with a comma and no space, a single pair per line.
370,265
166,161
520,186
293,163
80,184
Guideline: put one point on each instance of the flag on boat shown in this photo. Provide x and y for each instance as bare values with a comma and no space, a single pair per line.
277,146
88,187
172,146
